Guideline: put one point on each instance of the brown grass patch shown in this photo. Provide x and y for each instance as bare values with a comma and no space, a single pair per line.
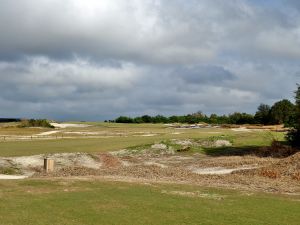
109,161
296,176
273,174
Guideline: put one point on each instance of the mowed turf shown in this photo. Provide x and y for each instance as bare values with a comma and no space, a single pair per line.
67,202
131,136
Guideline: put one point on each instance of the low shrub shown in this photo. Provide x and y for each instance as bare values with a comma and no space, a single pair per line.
36,123
276,150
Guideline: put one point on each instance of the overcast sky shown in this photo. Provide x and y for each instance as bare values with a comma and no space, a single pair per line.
96,60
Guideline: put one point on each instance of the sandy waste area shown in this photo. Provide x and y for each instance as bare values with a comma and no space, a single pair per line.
160,162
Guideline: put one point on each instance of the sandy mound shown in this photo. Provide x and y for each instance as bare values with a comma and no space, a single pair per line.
28,165
66,125
288,167
284,168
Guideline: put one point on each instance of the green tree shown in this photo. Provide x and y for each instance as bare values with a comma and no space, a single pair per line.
282,112
262,116
147,119
294,135
124,119
174,119
160,119
214,119
241,118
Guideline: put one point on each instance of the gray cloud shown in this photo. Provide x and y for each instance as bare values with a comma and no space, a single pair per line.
78,59
204,75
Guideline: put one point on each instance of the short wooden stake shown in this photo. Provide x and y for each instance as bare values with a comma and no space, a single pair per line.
48,165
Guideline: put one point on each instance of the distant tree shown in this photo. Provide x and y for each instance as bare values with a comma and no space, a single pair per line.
147,119
124,119
262,116
214,119
174,119
191,119
160,119
223,119
294,135
241,118
282,112
199,114
138,120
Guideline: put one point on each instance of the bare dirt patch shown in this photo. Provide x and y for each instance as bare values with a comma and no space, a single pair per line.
109,160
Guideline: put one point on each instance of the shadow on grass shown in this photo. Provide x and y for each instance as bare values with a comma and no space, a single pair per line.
232,151
277,149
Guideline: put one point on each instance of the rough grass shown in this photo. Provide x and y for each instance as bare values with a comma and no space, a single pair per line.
9,170
41,202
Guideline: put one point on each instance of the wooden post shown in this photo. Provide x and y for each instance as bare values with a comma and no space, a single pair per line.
48,165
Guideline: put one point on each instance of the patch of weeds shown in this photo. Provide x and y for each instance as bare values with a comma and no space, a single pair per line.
138,148
9,171
220,137
196,149
172,145
96,158
212,142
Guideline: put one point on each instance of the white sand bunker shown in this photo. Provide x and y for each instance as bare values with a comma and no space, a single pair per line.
218,170
27,165
83,132
241,129
194,194
48,133
66,125
148,135
150,163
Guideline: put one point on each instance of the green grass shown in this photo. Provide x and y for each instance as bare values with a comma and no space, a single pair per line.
81,144
41,202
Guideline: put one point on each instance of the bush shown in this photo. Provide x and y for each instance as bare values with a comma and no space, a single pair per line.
294,135
36,123
277,150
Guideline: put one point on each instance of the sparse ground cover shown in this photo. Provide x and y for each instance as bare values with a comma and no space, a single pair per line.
91,202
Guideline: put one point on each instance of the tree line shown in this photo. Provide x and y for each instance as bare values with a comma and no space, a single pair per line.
281,112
